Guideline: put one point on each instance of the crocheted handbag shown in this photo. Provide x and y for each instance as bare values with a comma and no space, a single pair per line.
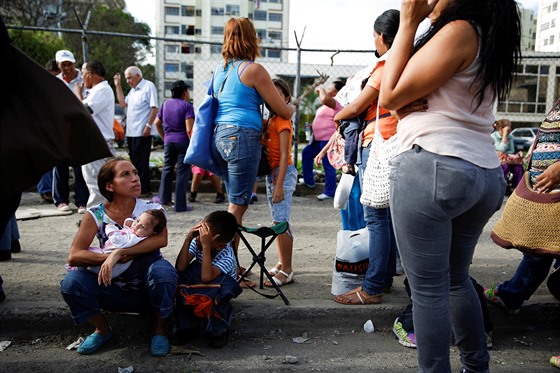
530,219
375,186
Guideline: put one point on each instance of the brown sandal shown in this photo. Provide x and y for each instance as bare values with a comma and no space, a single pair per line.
359,297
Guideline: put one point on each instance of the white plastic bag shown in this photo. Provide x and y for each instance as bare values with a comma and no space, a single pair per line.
351,260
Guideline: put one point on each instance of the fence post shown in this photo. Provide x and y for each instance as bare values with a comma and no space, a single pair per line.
297,88
85,49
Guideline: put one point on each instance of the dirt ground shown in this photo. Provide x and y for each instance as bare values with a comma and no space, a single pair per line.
36,321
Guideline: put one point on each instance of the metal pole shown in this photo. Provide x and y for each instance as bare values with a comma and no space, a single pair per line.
297,88
85,49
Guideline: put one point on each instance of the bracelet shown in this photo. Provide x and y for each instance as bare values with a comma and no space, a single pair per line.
148,125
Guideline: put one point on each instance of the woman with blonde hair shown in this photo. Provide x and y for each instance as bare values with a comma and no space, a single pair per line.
238,121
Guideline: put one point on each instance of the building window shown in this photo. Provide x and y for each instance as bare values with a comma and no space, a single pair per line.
187,29
171,11
551,40
185,48
171,48
171,67
198,12
545,26
187,11
187,70
553,23
217,30
232,10
260,15
172,30
528,95
275,17
554,6
197,31
261,34
275,1
273,53
275,35
216,49
217,11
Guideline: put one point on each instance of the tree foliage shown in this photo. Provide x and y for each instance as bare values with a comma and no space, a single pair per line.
41,45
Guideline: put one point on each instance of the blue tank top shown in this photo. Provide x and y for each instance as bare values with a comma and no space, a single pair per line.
239,104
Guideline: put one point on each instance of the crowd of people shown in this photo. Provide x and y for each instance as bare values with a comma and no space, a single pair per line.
442,194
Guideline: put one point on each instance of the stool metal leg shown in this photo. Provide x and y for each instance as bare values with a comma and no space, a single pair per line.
260,259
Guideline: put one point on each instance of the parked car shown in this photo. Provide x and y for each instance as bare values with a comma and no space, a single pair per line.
524,137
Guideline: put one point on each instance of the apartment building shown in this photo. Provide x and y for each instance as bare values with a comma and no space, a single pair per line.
192,30
548,26
528,30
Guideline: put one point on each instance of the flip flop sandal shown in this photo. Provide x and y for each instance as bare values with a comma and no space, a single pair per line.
362,297
274,271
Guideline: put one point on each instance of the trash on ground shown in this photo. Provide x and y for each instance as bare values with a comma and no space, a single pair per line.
291,360
300,339
4,345
75,344
368,327
129,369
182,350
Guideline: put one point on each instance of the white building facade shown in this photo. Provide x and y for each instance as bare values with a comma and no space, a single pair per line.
548,26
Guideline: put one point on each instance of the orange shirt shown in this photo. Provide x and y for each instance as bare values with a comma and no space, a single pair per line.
271,140
388,125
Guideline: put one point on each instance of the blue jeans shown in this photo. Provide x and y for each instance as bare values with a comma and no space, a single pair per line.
308,154
241,148
86,297
440,206
45,183
11,233
174,154
382,244
61,190
530,274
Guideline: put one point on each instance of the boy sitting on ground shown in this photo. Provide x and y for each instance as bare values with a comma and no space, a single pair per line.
207,270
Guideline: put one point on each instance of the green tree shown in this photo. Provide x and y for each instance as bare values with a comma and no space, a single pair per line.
116,53
40,46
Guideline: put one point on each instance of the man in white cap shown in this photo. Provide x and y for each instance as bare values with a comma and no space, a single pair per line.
61,175
142,108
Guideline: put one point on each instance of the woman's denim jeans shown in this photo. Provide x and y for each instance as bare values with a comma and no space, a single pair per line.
86,297
439,207
382,244
174,153
241,148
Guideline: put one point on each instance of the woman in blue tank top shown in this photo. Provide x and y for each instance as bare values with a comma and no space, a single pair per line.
238,122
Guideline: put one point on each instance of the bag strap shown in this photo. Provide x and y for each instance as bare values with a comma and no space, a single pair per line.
233,67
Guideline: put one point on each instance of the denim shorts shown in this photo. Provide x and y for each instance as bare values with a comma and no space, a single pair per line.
281,211
240,148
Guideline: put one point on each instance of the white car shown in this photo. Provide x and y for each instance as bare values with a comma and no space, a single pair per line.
524,137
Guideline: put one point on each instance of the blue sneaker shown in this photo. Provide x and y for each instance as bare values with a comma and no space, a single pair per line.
93,342
492,297
160,346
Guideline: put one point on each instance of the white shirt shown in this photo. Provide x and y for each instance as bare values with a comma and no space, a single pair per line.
140,100
73,82
101,101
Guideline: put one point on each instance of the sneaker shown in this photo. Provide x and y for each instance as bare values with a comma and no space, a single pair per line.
323,196
398,268
15,246
159,346
63,207
192,197
254,198
220,197
492,297
555,361
93,342
81,210
407,339
47,197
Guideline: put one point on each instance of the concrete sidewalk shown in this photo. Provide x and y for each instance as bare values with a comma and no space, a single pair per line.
31,278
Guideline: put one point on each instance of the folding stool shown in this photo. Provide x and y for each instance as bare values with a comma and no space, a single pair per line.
264,233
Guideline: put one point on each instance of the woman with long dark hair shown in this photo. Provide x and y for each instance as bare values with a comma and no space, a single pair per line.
446,180
382,245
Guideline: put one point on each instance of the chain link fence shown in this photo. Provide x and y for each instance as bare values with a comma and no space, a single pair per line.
536,87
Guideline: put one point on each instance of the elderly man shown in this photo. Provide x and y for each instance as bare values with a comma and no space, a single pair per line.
142,107
100,102
61,175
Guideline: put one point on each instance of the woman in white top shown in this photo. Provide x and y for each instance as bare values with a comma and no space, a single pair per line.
446,181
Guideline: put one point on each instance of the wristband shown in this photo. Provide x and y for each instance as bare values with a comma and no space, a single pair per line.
148,125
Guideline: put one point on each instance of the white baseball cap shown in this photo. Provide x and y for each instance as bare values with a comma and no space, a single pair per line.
64,55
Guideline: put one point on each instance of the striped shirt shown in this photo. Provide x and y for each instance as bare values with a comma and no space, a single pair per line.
225,259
